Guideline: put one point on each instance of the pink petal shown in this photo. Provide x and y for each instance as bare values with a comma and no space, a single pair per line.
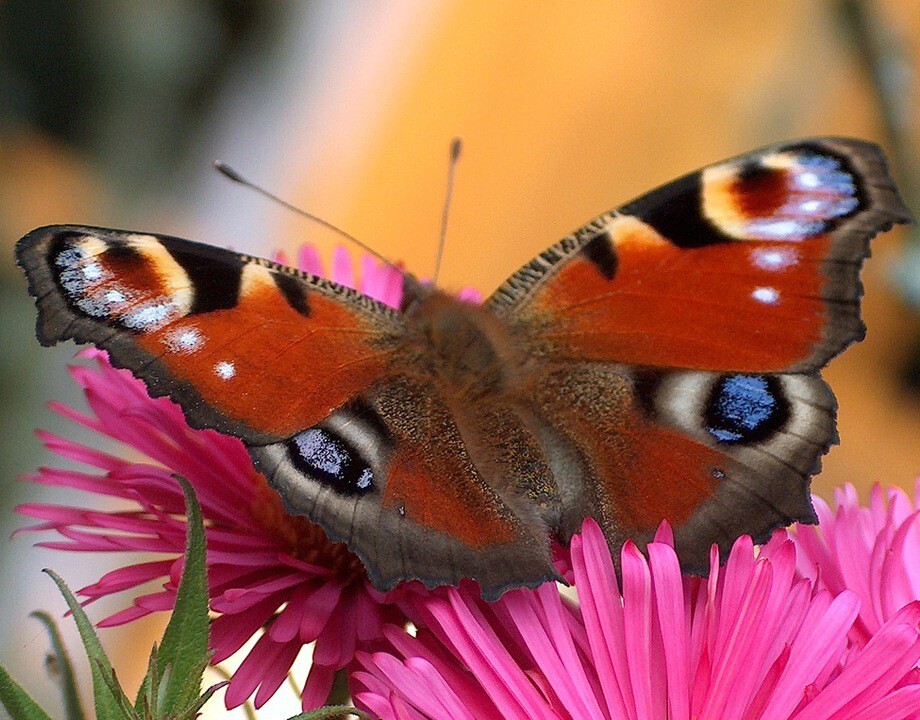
502,678
309,261
603,616
230,632
261,664
317,687
127,577
335,645
884,660
323,602
637,598
669,604
538,616
342,269
899,704
821,638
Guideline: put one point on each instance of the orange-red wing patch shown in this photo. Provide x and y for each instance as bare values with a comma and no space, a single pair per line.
638,471
753,306
462,508
264,364
662,476
432,480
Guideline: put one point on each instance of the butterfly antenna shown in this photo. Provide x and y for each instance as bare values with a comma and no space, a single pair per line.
456,146
231,174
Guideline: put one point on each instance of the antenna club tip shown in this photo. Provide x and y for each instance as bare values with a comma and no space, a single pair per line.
456,145
228,172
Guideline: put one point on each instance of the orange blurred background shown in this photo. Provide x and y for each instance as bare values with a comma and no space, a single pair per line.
347,109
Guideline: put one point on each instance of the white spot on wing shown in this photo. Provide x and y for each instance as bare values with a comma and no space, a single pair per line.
766,295
776,228
185,340
774,258
225,370
810,207
809,180
92,271
151,315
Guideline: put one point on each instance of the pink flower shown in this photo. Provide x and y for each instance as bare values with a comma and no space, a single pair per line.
264,566
873,551
753,641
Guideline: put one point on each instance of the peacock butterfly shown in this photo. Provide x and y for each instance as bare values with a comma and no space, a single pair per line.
662,362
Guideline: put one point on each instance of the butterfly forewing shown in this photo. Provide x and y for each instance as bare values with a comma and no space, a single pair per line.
749,265
312,377
245,346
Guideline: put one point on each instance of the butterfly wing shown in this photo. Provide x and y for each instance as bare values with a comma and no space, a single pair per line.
245,346
683,334
310,375
750,265
718,455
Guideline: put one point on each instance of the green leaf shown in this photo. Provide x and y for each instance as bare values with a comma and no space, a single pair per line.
111,681
73,708
193,711
145,703
183,653
107,707
17,701
332,712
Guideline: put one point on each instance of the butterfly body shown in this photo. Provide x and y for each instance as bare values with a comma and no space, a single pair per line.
467,349
660,363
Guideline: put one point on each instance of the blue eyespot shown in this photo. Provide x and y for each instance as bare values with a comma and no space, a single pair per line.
326,457
745,408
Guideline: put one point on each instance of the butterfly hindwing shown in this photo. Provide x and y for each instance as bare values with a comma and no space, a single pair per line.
748,265
770,430
716,454
394,477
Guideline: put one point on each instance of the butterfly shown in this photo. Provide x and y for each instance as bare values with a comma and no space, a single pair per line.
660,363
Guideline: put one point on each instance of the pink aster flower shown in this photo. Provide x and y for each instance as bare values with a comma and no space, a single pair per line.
873,551
265,567
753,641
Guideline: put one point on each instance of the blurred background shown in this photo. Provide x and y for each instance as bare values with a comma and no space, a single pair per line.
112,111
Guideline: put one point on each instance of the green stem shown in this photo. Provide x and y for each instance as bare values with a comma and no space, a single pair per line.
339,694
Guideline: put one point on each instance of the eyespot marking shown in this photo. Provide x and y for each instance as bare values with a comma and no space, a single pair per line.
788,195
326,457
745,409
130,282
